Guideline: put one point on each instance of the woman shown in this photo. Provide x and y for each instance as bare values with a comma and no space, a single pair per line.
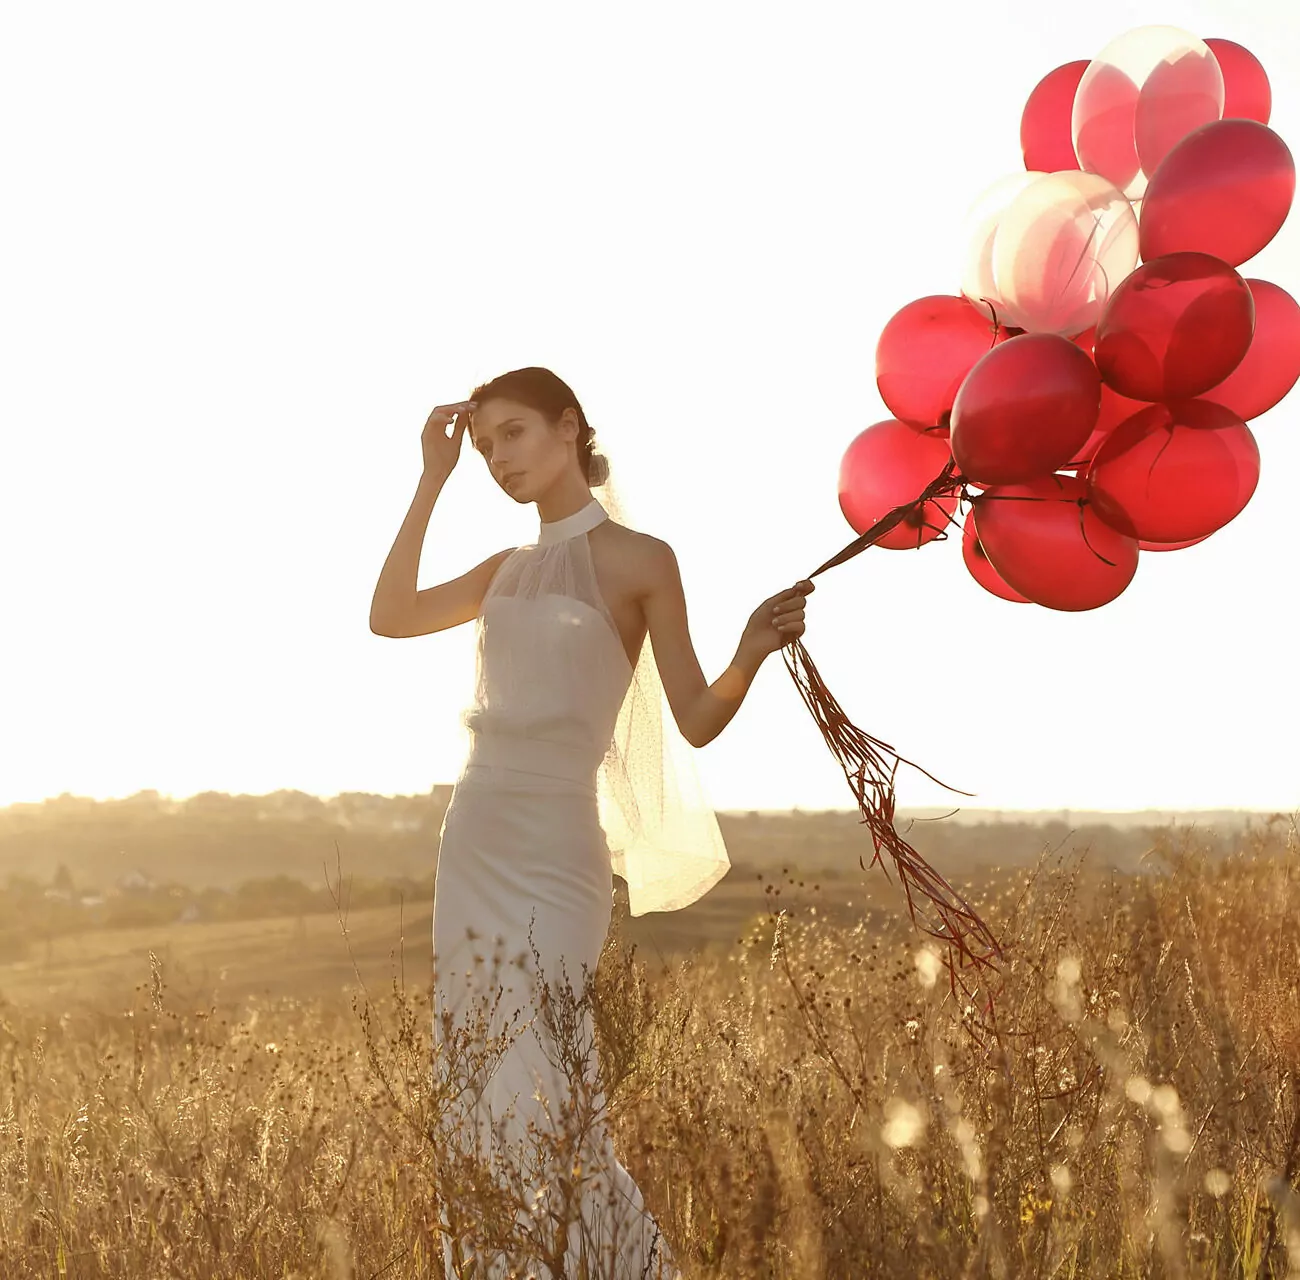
570,776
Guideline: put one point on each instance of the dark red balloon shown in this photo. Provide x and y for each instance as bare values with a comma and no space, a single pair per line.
1046,542
981,567
924,354
1247,94
1174,472
1024,409
1272,364
1174,328
885,466
1114,407
1046,137
1225,190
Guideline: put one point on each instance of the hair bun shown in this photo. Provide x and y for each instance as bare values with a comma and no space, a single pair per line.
597,469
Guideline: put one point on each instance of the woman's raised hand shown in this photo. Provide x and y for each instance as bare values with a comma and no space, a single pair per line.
777,621
440,449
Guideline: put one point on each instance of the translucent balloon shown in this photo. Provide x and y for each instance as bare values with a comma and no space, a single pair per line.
1047,543
1024,409
978,234
1225,189
887,465
1139,97
1045,136
1061,246
1272,364
1247,94
1176,327
1174,472
981,567
924,354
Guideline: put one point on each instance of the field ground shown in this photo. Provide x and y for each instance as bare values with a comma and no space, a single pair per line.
307,956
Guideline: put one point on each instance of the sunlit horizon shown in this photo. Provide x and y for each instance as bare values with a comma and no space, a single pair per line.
253,252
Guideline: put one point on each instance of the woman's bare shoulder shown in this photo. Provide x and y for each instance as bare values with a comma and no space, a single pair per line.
642,558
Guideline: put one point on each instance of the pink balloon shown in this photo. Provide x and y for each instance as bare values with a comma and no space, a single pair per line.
1103,138
887,465
1178,97
1024,409
1224,190
925,352
1176,327
1272,364
981,567
1045,138
1174,472
1045,542
1247,94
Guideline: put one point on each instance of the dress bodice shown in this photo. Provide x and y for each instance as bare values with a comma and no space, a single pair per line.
558,707
551,670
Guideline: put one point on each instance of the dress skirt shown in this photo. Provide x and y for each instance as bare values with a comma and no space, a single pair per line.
522,902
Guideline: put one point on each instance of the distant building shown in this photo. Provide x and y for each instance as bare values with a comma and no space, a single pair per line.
136,881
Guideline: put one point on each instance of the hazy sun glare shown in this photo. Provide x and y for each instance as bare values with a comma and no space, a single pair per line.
251,247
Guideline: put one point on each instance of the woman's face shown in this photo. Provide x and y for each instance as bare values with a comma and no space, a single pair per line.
524,454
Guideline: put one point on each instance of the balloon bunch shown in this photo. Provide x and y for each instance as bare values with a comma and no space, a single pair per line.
1085,396
1094,377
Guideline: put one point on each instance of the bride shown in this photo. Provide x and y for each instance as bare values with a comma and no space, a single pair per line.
572,775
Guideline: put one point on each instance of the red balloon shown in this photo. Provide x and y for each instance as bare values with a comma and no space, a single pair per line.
1174,472
1224,190
1170,546
1174,328
925,352
1024,409
1047,543
1272,364
887,465
981,567
1114,407
1046,138
1247,94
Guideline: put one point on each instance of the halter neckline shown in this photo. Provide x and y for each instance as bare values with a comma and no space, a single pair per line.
580,521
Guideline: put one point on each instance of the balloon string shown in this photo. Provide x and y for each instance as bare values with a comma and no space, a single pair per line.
1081,503
871,767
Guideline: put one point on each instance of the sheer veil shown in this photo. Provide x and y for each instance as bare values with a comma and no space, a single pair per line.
663,833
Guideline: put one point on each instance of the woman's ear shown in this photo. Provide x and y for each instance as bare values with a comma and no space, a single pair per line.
569,424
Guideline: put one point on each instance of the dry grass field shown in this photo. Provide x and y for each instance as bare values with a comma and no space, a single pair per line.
797,1091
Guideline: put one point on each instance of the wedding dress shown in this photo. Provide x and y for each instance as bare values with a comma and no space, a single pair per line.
573,772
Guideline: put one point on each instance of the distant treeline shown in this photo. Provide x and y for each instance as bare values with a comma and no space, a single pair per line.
215,840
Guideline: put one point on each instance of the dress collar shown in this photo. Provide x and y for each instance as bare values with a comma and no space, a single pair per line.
580,521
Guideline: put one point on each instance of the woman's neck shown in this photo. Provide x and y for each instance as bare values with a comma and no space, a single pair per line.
565,498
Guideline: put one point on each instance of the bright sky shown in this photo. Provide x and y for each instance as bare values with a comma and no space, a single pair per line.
251,246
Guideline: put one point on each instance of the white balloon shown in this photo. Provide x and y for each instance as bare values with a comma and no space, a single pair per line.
978,233
1140,96
1062,247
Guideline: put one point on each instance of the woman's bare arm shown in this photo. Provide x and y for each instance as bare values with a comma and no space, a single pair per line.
703,710
398,609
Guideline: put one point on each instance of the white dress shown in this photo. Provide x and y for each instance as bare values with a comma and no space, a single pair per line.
524,877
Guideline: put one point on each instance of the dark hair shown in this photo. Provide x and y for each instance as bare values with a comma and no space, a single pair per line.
540,389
